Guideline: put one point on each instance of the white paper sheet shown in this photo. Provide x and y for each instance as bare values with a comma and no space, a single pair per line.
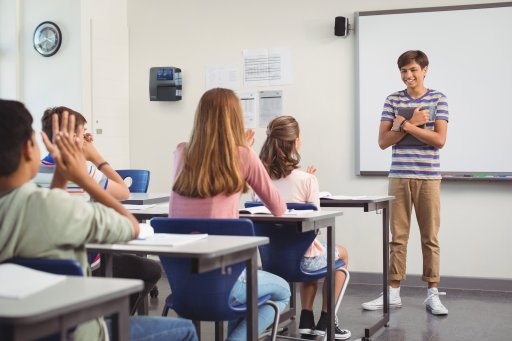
130,207
327,195
19,281
264,210
271,106
267,67
169,239
222,76
248,101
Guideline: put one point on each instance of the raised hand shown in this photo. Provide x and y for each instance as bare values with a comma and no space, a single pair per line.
249,136
311,169
66,149
67,125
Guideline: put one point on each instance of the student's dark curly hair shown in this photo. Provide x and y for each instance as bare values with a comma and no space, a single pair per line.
279,154
15,131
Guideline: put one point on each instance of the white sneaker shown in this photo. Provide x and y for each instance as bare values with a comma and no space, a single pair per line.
394,300
433,303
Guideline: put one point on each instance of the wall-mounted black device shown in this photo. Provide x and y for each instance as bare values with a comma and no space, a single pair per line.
165,83
341,27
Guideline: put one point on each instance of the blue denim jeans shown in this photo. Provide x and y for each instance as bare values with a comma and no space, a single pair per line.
153,328
311,264
156,328
268,283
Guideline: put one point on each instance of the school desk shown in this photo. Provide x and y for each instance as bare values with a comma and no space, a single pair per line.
369,204
65,305
303,222
212,252
146,198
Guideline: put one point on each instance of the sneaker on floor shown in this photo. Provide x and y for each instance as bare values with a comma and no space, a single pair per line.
96,262
321,328
394,301
307,322
433,303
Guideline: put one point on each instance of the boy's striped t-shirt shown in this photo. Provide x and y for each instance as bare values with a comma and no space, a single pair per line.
420,162
45,174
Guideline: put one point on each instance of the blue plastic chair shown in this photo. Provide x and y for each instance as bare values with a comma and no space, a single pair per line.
69,267
283,255
139,178
205,296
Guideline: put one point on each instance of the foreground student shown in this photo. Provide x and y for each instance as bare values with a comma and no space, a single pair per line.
123,265
414,178
49,223
280,156
211,172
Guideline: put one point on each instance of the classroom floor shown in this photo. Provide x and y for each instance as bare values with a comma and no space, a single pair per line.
474,315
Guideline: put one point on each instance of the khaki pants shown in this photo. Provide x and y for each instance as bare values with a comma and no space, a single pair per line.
424,195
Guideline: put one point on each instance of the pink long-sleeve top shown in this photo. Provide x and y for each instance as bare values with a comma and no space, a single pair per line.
222,205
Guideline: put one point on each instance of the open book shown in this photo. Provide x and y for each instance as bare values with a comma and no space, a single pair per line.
263,210
19,281
169,239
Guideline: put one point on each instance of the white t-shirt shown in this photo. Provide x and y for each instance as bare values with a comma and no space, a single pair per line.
300,187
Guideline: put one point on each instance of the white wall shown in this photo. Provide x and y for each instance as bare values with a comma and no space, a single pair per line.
8,49
89,73
49,81
475,232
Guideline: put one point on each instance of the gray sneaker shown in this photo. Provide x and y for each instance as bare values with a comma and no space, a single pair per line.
433,303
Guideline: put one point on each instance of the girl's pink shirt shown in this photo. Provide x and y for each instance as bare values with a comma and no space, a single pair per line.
222,205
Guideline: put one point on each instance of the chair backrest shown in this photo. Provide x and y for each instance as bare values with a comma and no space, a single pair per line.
283,255
205,296
69,267
139,179
289,205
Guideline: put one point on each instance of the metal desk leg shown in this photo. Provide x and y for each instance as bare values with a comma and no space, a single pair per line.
252,298
368,332
330,282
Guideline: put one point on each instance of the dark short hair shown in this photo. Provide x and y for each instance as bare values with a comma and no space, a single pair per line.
413,56
15,131
46,120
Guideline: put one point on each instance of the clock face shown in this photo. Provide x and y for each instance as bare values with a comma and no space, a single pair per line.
47,38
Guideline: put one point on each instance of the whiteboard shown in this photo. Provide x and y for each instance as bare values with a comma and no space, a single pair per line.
470,54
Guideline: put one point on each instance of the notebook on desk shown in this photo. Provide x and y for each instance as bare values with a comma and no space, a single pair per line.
264,210
146,198
408,139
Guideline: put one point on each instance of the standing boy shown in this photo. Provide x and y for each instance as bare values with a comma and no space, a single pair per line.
49,223
414,178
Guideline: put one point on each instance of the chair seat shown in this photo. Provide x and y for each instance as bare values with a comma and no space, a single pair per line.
320,273
240,308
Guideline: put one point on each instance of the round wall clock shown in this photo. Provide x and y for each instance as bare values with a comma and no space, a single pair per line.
47,38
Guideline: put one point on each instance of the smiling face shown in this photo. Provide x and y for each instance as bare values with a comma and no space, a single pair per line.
413,75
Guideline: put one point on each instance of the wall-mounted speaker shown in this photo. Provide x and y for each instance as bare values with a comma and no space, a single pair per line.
341,26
